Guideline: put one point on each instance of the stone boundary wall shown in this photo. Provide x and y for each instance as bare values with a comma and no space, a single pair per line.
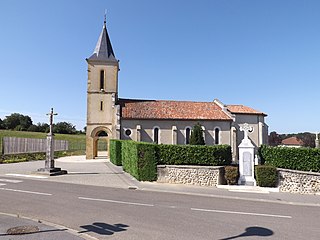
298,181
192,175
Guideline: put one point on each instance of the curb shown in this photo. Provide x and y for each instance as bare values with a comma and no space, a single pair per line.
68,230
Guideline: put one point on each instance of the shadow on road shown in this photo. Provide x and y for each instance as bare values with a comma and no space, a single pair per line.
104,228
253,231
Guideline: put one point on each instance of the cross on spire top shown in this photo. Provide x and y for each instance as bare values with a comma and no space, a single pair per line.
105,18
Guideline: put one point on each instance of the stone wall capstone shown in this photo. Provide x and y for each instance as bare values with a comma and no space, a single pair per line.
299,182
192,175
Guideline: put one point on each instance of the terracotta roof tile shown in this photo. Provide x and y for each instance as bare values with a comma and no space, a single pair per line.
292,141
162,109
240,109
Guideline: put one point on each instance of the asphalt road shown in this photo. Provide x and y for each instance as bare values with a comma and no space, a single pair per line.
113,213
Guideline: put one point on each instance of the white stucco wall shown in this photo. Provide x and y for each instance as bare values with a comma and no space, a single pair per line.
165,126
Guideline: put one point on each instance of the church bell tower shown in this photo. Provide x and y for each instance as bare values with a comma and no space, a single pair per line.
102,93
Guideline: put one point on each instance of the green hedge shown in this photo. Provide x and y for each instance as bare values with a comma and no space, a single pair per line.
231,174
303,159
194,155
266,176
115,152
139,159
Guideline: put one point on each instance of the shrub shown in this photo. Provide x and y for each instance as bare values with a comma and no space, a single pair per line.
24,157
115,152
231,174
266,176
196,137
303,159
139,159
193,155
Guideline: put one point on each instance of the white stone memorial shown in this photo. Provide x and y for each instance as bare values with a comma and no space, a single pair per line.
246,158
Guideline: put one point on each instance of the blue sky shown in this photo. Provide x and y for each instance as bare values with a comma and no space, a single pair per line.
263,54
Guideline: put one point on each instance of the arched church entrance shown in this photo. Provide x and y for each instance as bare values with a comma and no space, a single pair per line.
101,138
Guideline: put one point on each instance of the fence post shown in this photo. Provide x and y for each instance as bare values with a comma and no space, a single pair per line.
2,147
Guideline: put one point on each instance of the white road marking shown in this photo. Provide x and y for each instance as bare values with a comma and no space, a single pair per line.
10,180
2,184
25,175
241,213
23,191
114,201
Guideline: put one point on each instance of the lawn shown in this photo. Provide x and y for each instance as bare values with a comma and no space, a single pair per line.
76,141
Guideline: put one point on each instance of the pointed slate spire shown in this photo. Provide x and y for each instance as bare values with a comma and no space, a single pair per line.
103,50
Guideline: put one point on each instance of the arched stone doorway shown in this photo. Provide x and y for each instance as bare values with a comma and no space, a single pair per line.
100,142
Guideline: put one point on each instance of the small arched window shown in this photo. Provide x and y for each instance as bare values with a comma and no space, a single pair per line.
102,80
216,136
188,133
156,135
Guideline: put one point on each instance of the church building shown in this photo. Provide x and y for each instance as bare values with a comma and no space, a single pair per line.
158,121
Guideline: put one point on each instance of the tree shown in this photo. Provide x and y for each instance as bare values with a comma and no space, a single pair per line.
274,139
17,121
43,127
1,124
33,128
64,128
307,138
196,137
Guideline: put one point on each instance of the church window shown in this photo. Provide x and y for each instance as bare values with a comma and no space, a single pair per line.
101,106
188,133
127,132
216,136
102,80
156,135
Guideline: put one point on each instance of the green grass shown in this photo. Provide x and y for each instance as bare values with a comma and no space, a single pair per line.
76,142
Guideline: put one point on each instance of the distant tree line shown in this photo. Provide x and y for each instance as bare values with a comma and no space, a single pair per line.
19,122
307,138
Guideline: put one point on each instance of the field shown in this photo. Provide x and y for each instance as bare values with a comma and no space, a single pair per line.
76,142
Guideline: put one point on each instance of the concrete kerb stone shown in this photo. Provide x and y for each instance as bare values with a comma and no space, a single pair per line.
54,225
248,188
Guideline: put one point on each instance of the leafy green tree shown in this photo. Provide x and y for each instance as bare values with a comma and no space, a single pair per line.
17,121
274,139
1,124
33,128
64,128
196,137
43,127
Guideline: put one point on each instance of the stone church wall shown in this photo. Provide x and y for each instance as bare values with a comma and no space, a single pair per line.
165,126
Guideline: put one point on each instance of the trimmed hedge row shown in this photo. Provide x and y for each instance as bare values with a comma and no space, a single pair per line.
266,176
303,159
139,160
115,152
194,155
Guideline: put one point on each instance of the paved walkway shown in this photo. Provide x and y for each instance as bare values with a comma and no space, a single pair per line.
101,172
